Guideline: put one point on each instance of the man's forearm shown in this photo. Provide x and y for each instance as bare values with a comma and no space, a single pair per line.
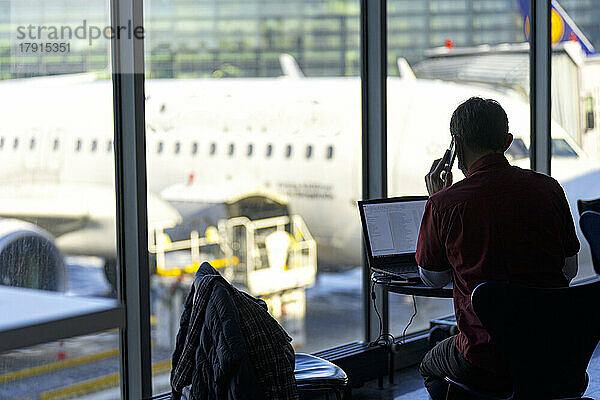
435,279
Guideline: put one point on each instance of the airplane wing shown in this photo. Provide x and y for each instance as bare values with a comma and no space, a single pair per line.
62,208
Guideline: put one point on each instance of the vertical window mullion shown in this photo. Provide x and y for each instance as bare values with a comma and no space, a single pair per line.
131,213
374,136
540,64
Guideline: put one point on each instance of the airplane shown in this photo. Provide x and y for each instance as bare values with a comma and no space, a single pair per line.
209,140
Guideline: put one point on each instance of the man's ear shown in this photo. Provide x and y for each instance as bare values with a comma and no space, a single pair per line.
509,140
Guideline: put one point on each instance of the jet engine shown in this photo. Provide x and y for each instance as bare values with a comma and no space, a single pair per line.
29,258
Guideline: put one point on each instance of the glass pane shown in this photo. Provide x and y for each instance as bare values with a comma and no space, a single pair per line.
575,110
437,60
57,193
271,96
83,367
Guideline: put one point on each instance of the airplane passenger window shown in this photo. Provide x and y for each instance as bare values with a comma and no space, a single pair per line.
177,147
16,143
194,148
288,151
78,145
55,145
1,142
109,146
94,145
213,148
231,149
159,147
308,151
32,144
330,152
269,150
560,148
250,149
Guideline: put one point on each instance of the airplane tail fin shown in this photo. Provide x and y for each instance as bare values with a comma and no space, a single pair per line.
290,67
564,28
405,70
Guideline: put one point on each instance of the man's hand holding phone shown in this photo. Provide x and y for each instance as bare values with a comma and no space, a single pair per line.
440,174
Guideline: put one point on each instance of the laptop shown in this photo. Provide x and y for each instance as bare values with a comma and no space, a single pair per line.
391,229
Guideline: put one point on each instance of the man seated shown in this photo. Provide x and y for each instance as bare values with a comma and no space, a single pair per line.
500,223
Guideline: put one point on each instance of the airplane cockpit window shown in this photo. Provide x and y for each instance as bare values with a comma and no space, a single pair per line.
560,148
288,151
78,145
213,148
517,150
55,145
330,152
94,146
177,147
231,149
194,148
250,150
32,144
159,147
308,151
16,143
269,150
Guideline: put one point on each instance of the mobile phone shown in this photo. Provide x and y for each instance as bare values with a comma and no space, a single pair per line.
450,156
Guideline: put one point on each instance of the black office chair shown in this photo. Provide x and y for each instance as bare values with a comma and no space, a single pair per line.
547,336
590,226
590,205
314,376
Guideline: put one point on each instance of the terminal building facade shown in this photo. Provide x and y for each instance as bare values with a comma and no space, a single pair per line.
231,38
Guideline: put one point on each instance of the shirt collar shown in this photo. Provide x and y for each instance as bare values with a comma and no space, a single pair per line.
490,161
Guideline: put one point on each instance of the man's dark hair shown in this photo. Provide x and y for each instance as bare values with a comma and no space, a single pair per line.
481,124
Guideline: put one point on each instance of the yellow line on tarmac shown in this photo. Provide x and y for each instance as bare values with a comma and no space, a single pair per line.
95,385
42,369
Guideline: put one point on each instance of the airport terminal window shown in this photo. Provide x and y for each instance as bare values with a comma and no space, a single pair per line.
177,148
194,148
269,119
59,119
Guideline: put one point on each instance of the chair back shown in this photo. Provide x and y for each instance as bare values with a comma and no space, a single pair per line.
547,336
588,205
590,227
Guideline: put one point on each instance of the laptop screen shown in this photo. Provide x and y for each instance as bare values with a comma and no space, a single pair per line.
393,228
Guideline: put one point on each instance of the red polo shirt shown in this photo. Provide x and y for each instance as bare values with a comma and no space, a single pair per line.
500,223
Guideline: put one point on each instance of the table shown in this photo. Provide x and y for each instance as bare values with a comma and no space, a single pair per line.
411,288
29,316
